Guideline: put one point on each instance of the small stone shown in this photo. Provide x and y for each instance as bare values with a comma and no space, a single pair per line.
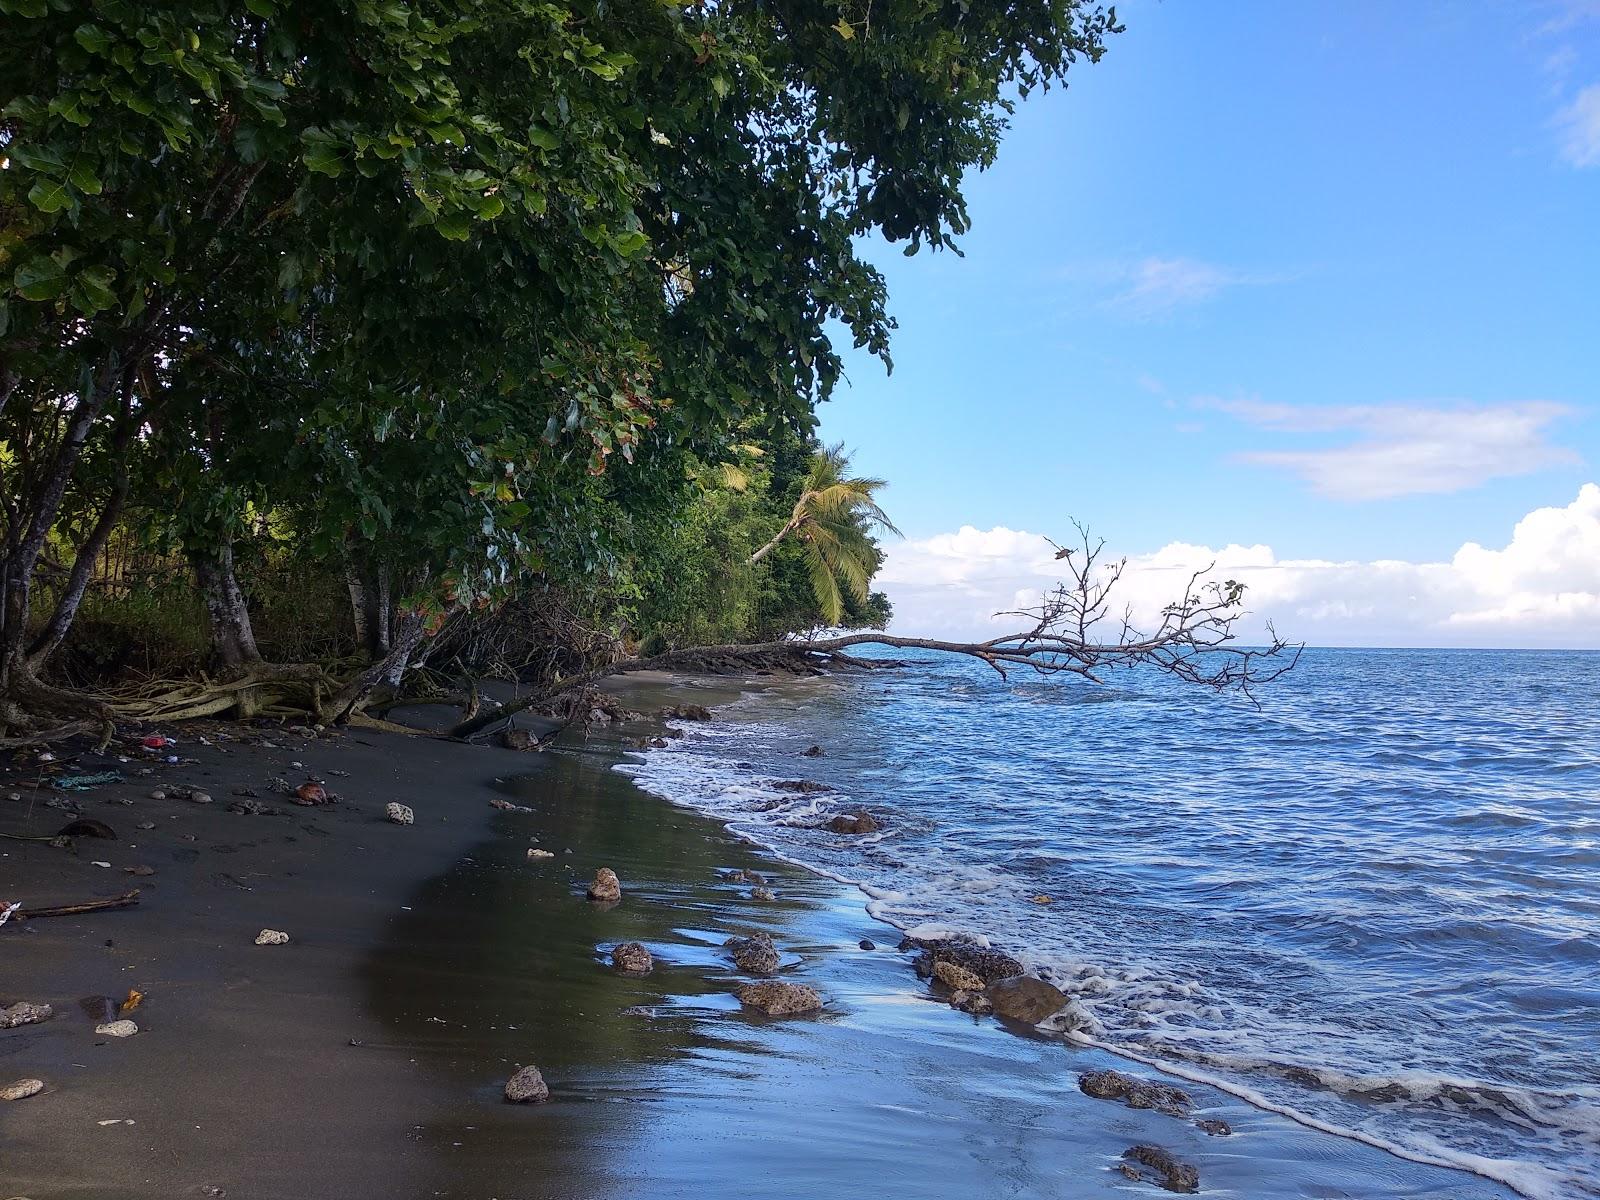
22,1089
200,797
867,945
535,854
23,1013
1171,1172
158,794
1214,1126
974,1003
632,958
1136,1093
861,822
957,978
272,937
507,806
762,893
400,814
527,1086
141,869
755,955
147,824
779,999
13,795
117,1029
518,739
1026,999
606,888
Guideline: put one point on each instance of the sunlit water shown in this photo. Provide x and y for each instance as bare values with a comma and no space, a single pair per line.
1374,904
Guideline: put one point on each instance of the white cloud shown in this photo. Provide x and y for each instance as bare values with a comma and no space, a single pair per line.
1402,450
1155,286
1541,589
1579,123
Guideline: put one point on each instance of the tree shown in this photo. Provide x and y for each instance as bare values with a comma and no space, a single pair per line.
833,520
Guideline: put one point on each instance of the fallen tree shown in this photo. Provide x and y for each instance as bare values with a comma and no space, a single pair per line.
1073,630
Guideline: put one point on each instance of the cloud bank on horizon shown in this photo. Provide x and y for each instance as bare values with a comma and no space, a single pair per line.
1541,589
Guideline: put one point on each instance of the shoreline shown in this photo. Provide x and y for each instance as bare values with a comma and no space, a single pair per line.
366,1056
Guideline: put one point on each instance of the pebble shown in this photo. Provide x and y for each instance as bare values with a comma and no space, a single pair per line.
867,945
147,824
118,1029
400,814
200,797
534,854
271,937
158,794
606,888
22,1089
527,1086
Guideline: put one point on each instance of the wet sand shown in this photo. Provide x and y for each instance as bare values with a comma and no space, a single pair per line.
366,1058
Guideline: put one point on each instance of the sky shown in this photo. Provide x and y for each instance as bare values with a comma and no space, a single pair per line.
1311,290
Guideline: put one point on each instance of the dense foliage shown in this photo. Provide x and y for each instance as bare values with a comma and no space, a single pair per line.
454,301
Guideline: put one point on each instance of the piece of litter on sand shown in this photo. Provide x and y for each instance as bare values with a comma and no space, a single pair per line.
117,1121
99,864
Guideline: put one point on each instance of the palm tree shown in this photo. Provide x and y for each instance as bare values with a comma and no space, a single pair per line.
834,518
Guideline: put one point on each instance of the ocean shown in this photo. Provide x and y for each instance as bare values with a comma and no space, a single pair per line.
1372,904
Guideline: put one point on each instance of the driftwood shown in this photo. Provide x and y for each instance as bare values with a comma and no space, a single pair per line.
126,900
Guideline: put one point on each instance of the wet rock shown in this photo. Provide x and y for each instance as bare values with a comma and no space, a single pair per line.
22,1089
1136,1093
400,814
867,945
1214,1126
658,743
688,712
632,958
117,1029
1168,1170
518,739
763,894
988,965
802,787
956,977
272,937
755,955
1025,998
507,806
975,1003
23,1013
779,999
606,888
813,752
527,1086
861,822
742,876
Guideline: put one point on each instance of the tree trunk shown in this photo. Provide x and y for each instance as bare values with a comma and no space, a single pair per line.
789,527
410,629
233,640
358,604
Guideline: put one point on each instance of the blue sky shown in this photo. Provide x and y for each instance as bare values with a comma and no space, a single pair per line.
1319,277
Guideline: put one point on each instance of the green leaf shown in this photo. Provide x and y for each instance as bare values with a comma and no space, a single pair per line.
40,279
456,226
92,38
92,290
50,195
83,177
630,243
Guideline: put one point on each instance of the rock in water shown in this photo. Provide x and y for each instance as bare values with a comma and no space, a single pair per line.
606,888
813,752
272,937
400,814
861,822
632,958
527,1086
24,1014
975,1003
756,955
118,1029
1214,1127
1170,1171
956,977
1026,999
22,1089
763,893
779,999
1136,1093
988,965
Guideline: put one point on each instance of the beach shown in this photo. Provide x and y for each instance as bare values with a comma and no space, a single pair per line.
426,963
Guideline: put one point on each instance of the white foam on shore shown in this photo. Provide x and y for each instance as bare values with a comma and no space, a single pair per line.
1146,1002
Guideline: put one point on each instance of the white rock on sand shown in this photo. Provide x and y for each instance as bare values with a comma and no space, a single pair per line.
22,1089
118,1029
271,937
400,814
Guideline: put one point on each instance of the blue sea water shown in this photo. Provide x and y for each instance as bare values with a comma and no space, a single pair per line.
1373,904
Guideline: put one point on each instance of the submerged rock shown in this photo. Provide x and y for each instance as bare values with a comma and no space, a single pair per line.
606,887
1214,1126
756,955
527,1086
975,1003
1025,998
813,752
861,822
632,958
400,814
762,893
118,1029
803,787
272,937
1136,1093
779,999
956,977
23,1013
688,712
865,944
739,875
1170,1171
22,1089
